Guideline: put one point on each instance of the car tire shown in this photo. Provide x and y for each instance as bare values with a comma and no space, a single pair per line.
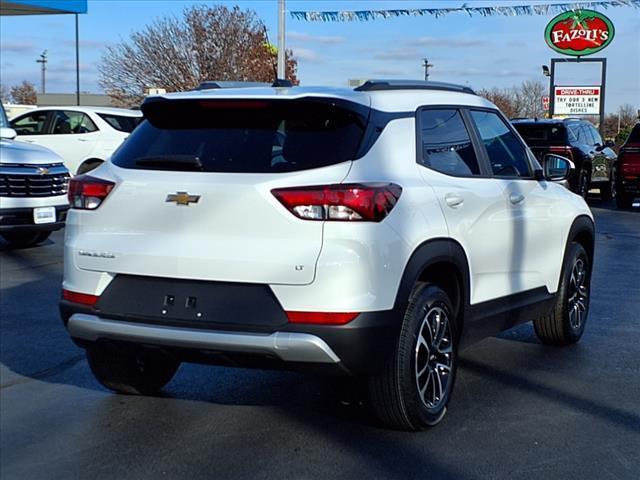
131,371
564,324
608,189
414,387
24,240
583,184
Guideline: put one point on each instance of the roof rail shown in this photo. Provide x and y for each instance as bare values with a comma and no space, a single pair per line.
376,85
212,84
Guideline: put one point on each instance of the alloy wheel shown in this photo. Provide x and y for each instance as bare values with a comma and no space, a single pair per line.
578,294
434,358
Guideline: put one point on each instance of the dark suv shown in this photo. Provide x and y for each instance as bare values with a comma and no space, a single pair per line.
580,142
626,174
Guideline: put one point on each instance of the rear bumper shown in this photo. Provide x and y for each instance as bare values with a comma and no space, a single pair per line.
287,346
630,184
359,347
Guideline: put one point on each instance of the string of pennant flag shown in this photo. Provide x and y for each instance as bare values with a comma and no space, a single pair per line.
514,10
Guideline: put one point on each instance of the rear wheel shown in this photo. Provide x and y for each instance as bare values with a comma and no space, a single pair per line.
23,240
131,371
564,325
414,388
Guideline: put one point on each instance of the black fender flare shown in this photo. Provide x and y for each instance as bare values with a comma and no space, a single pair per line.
431,252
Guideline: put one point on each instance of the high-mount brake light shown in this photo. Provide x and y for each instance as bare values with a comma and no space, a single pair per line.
321,318
82,298
359,202
88,193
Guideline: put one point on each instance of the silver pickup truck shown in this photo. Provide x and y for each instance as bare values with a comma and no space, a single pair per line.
33,190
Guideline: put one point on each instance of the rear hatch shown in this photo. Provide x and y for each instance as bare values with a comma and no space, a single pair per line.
192,196
544,138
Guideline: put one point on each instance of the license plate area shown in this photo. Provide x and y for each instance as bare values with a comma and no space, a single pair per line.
43,215
191,302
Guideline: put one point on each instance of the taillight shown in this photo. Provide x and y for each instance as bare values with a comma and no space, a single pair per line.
87,193
83,298
562,151
321,318
367,202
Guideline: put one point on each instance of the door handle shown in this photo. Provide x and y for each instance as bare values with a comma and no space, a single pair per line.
454,200
516,198
82,139
28,141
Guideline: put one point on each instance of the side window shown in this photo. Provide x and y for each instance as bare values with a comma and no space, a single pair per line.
67,122
120,122
597,139
573,133
446,145
584,135
507,155
32,124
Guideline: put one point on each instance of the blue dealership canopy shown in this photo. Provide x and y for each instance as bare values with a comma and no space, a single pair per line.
42,7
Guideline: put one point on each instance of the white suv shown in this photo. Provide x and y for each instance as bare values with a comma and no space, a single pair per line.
369,233
83,136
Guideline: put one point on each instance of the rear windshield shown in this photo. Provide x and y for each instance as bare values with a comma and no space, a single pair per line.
120,122
634,136
248,136
541,134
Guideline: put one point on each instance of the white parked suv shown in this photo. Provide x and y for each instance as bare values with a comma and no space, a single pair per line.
83,136
370,233
33,190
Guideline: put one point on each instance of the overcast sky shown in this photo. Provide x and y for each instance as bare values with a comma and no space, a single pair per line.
482,52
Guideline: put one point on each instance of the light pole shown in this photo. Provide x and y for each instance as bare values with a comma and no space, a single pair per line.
426,66
281,47
43,60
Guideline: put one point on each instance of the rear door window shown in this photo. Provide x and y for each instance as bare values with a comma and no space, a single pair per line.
508,156
446,144
67,122
120,122
244,136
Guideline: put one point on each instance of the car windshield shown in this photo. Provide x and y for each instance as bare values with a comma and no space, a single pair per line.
4,122
542,134
244,136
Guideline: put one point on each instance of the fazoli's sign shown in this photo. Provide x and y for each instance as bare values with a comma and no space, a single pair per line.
579,32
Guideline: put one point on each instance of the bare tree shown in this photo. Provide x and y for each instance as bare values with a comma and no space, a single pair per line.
528,99
205,43
503,99
4,94
24,93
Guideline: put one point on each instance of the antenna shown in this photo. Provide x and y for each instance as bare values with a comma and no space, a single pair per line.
426,66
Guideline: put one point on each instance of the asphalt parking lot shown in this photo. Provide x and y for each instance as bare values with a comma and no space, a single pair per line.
519,410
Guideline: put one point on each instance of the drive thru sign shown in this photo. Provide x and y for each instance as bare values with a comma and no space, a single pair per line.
576,101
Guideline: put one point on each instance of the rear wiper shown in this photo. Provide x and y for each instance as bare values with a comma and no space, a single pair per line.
171,162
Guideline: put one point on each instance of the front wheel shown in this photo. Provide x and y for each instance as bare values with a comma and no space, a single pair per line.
583,184
564,325
131,371
413,389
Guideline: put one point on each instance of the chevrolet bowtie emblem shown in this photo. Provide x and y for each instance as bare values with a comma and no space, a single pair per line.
43,171
182,198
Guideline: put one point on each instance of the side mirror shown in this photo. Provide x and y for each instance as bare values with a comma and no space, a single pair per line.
556,168
609,144
9,133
